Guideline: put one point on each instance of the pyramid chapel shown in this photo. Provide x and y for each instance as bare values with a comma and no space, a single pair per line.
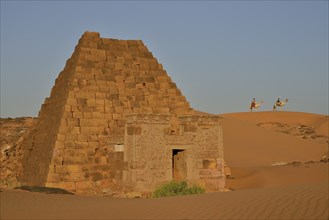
116,123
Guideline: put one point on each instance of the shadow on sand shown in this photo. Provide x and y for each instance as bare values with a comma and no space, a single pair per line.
46,190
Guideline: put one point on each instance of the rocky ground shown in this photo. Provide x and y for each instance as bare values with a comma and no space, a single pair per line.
300,130
12,132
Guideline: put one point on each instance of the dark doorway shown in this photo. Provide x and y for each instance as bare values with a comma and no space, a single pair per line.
179,164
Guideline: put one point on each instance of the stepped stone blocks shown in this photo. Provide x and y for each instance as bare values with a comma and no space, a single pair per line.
79,141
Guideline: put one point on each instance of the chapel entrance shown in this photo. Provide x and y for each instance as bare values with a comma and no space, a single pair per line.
179,164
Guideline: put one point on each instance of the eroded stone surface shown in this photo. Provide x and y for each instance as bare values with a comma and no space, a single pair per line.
79,140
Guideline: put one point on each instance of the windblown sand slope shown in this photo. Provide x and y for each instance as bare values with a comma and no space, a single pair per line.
248,142
294,202
253,142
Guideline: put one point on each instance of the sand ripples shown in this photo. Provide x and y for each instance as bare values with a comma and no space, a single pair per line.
307,201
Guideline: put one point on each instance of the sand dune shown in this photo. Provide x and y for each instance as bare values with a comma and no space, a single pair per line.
247,144
290,202
253,142
260,177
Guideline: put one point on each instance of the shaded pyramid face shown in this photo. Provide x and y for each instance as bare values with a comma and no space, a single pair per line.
83,121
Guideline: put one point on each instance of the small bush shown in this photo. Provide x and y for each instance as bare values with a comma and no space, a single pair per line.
177,188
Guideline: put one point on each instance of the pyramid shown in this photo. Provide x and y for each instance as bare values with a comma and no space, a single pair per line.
83,120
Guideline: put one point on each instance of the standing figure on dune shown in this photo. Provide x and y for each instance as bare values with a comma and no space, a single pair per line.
255,105
279,103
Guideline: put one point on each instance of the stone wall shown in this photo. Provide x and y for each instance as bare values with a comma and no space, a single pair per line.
73,145
152,142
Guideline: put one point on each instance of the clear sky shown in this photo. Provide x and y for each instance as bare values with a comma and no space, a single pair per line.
221,54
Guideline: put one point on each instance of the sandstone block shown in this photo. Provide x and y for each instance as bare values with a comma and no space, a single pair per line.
113,90
82,137
193,128
49,184
137,110
82,152
57,185
129,79
112,96
126,104
84,122
93,122
92,138
109,113
71,137
161,110
100,96
96,176
71,102
77,115
69,152
82,82
118,109
67,108
58,152
147,110
103,160
162,104
117,103
119,66
81,185
87,115
74,108
61,169
57,160
117,116
108,103
75,161
130,84
84,95
179,111
162,79
127,110
70,185
134,104
149,79
121,90
143,104
91,102
51,169
68,115
73,122
103,89
152,103
53,177
100,101
119,79
69,144
91,152
102,123
77,176
80,144
164,86
61,137
98,115
75,130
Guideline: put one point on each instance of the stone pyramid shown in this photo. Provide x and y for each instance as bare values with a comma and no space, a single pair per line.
83,121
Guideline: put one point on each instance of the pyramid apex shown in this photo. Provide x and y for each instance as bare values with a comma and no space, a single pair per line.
91,34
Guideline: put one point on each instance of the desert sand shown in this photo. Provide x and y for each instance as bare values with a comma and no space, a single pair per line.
276,173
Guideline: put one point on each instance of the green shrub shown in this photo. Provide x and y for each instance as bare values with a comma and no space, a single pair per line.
176,188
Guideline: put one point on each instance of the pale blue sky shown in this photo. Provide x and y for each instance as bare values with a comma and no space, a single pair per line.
221,54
